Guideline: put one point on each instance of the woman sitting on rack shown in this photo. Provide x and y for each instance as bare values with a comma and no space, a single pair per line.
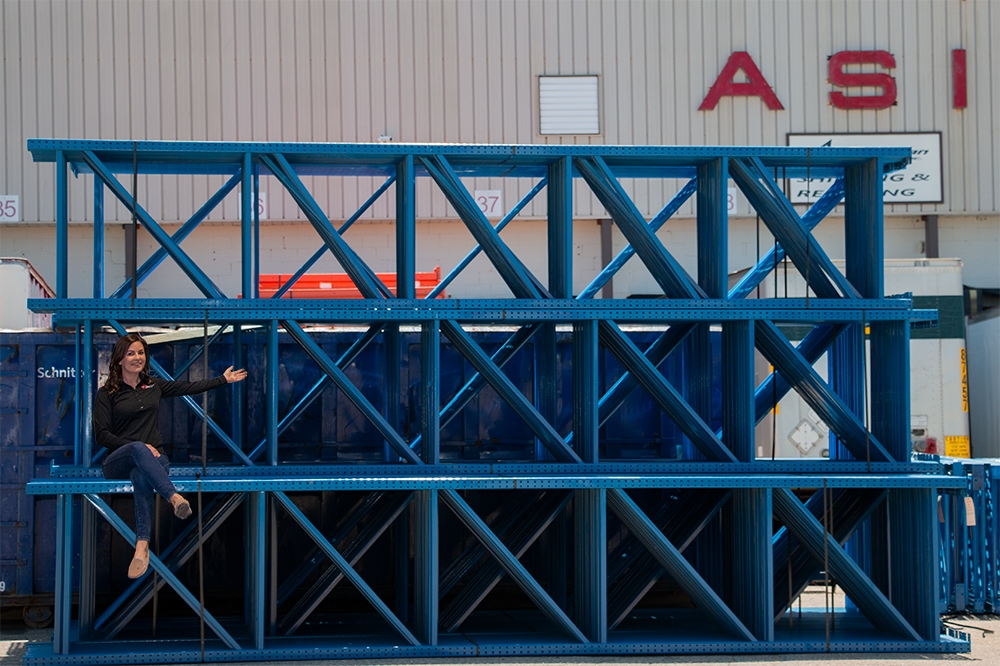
126,421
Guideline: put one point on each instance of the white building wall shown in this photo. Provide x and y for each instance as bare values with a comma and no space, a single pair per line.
466,71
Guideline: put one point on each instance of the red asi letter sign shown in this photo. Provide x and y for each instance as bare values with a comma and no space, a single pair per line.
756,87
839,77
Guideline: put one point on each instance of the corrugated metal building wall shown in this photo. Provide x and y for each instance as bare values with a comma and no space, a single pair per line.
466,71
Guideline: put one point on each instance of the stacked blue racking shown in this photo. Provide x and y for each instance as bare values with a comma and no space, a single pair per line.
583,539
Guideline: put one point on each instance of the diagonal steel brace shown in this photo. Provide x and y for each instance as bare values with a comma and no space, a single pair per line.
351,391
551,439
180,550
850,508
817,393
513,272
786,226
701,593
517,539
184,262
865,594
511,564
681,523
665,395
386,513
164,571
667,272
366,591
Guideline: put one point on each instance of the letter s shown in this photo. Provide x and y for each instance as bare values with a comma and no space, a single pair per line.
839,77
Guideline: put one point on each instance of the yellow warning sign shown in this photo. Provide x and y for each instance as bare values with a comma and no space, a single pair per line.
957,446
965,383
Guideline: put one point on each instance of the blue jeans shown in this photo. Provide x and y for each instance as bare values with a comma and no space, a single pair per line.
148,474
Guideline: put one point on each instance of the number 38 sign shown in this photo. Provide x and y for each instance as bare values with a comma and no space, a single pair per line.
10,208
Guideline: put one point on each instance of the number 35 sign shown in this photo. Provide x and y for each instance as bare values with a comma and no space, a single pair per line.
10,208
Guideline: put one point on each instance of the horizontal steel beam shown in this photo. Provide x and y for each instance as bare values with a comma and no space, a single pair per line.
496,311
487,481
514,161
814,467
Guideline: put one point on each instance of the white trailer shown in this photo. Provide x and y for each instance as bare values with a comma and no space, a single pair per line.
939,405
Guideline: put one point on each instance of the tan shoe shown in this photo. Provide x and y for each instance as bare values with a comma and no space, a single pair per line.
138,566
182,508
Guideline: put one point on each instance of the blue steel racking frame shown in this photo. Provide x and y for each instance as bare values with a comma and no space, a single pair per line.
872,527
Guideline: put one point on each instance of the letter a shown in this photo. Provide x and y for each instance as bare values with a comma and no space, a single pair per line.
757,86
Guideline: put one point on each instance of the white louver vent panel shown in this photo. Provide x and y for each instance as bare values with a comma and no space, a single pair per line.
568,105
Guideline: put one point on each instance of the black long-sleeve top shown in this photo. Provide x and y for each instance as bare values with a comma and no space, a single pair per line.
132,414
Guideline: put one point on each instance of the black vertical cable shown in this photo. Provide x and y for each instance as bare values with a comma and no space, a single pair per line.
833,582
826,569
784,261
156,535
204,471
864,388
808,203
135,220
758,252
790,623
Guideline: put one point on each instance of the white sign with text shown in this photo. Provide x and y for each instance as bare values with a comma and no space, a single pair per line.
10,208
262,205
918,182
490,202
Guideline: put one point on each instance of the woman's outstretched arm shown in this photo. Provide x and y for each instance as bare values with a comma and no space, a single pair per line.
175,388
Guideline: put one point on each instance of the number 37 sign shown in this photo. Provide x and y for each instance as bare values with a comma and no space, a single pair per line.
490,202
10,208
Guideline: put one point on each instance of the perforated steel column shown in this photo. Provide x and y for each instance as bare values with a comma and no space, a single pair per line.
425,502
589,505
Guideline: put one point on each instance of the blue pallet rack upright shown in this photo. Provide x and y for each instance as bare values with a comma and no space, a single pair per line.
705,523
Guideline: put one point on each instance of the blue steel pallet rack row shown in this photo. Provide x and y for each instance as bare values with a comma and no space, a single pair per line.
871,524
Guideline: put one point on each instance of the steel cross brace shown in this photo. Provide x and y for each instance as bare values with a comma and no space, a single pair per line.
551,439
355,515
810,220
363,277
180,550
786,226
850,509
830,407
395,440
665,395
510,564
344,566
384,515
681,525
191,269
477,381
669,274
670,558
508,516
628,251
811,534
810,348
518,538
317,389
161,253
474,252
163,570
344,227
513,272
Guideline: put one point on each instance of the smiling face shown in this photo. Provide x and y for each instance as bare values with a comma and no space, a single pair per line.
135,359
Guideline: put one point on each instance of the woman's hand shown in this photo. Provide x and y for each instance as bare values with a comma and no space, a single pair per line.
156,454
233,376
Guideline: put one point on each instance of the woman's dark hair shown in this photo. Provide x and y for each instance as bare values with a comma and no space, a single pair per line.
118,354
